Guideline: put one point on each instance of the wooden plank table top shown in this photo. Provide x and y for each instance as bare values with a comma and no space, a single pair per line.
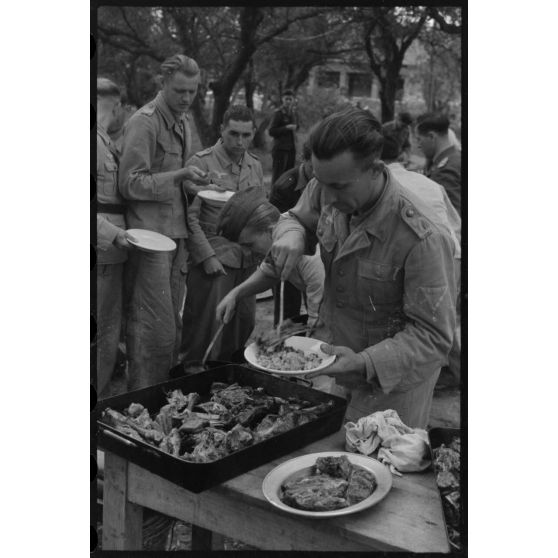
410,518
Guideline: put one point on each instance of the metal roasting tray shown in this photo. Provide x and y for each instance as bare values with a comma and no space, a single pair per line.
198,477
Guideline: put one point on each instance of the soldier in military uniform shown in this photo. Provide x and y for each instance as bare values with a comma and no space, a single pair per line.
389,295
283,129
112,243
152,174
218,264
443,158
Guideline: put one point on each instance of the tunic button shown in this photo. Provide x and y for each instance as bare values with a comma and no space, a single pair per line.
320,231
339,304
340,272
410,212
340,289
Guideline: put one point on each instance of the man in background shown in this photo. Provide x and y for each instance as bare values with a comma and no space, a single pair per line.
443,159
112,243
400,128
283,129
434,196
155,148
219,264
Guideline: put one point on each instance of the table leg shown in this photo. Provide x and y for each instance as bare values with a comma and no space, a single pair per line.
204,539
122,520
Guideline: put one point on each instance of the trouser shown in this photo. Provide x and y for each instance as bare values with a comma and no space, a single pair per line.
200,323
157,283
283,161
291,301
109,320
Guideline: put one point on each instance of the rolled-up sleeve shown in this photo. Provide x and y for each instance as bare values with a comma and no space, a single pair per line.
199,247
136,179
422,347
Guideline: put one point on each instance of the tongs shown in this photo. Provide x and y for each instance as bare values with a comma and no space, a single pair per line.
218,332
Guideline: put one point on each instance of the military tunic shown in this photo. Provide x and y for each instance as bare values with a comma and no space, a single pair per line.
110,259
155,145
445,169
199,323
389,294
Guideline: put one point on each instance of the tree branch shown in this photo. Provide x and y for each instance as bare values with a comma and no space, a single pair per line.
451,28
282,28
414,34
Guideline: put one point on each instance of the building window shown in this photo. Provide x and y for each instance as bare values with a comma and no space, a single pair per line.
328,79
360,85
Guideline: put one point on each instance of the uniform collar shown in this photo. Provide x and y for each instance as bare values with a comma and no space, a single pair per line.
373,221
224,160
103,134
168,116
445,153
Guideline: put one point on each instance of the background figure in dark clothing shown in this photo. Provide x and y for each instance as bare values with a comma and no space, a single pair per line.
283,131
443,160
400,128
285,193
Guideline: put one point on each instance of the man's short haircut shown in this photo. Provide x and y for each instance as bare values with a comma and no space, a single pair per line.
288,93
240,113
391,149
179,63
351,129
107,88
406,118
433,122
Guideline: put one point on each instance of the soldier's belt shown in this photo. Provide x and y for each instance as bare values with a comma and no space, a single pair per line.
114,208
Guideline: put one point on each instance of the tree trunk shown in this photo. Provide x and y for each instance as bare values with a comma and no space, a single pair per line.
205,130
259,136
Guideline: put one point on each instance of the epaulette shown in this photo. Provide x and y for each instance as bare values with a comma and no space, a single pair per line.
204,152
252,155
414,219
148,109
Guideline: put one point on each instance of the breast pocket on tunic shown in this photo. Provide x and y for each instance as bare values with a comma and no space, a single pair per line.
379,282
172,155
109,178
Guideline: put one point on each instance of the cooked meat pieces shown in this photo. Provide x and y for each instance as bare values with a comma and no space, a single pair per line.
238,438
335,483
361,484
231,420
315,493
338,467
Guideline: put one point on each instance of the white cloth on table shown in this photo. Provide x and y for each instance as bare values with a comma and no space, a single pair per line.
402,448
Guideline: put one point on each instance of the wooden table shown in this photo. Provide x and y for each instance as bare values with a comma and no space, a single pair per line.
410,518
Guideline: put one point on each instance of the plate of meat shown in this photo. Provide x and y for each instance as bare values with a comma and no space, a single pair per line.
327,484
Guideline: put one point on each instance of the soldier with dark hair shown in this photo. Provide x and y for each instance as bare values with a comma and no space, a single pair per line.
283,129
389,294
217,265
443,159
156,145
400,128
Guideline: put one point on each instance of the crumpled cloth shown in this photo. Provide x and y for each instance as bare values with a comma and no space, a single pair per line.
402,448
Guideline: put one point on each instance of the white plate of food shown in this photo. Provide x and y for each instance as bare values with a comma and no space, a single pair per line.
151,241
213,195
327,484
294,356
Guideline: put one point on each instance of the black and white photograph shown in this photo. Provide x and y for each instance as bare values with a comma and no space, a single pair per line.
279,291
